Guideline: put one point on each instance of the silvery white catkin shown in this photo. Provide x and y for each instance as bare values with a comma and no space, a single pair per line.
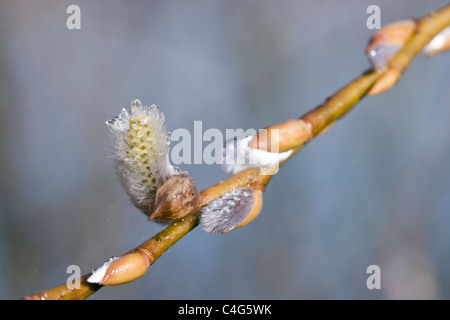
141,153
380,55
98,273
226,212
438,41
239,156
229,211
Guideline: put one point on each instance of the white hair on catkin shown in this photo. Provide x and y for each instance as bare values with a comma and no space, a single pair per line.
141,153
441,40
228,211
239,156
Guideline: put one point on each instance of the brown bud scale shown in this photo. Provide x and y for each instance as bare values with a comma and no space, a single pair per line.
176,198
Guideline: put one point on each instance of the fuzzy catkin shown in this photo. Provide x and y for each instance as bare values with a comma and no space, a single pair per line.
141,153
228,211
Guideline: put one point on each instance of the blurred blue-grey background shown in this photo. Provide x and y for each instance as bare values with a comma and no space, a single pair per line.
374,190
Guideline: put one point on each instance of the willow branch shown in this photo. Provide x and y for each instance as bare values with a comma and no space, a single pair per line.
294,134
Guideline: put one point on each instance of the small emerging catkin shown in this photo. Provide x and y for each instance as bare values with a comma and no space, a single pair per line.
233,210
176,198
440,43
386,42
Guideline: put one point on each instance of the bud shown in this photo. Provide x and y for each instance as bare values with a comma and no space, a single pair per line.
177,197
233,210
440,43
385,82
121,270
386,42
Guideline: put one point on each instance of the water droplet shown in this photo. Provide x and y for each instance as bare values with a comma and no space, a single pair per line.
168,138
161,117
135,111
137,103
153,108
